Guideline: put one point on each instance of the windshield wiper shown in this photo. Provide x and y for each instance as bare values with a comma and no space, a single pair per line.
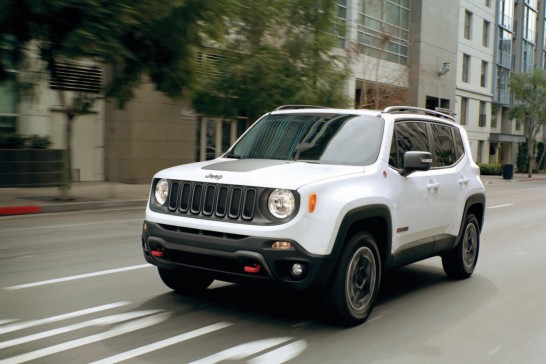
233,156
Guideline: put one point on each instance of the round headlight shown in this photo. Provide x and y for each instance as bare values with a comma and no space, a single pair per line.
281,203
161,191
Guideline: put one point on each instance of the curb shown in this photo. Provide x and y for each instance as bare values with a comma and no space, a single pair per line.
72,206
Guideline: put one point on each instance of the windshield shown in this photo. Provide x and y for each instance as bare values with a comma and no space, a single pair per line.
318,138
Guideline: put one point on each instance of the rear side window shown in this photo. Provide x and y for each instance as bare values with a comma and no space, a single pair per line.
408,136
458,143
444,146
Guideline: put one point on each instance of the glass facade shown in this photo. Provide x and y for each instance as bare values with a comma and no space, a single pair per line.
383,29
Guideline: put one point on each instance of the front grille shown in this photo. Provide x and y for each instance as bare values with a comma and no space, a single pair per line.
212,200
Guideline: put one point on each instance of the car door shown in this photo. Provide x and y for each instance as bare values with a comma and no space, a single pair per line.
448,177
413,196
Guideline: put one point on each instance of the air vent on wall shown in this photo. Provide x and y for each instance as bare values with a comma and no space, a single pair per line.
75,77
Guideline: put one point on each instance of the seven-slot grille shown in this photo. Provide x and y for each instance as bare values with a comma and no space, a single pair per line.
212,200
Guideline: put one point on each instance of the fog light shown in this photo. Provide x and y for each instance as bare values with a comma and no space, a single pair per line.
297,269
281,245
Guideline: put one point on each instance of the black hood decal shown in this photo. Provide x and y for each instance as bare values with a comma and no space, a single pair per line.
243,165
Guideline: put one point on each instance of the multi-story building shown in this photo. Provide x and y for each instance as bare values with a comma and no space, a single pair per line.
474,73
520,47
453,56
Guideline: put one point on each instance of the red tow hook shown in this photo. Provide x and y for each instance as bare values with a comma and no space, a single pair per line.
254,268
158,253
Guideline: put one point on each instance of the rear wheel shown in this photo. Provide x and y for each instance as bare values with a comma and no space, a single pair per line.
184,281
356,283
461,261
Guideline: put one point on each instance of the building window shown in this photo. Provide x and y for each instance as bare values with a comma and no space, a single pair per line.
8,103
494,115
383,30
480,152
466,67
485,35
488,3
506,14
342,20
464,110
528,59
483,75
530,23
483,116
503,81
504,51
467,24
214,136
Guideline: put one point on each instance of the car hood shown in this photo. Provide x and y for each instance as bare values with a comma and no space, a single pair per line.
257,172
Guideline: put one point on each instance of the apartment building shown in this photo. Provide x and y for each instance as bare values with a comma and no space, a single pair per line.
520,47
474,74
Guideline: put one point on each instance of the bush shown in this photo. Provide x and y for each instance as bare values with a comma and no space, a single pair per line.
18,141
38,142
491,169
12,141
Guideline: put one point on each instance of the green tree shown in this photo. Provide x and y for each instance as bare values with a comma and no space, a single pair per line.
135,38
529,106
278,52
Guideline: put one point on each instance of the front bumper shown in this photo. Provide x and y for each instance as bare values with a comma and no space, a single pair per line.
232,258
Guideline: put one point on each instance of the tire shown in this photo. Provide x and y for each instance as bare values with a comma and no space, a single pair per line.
461,261
184,281
354,289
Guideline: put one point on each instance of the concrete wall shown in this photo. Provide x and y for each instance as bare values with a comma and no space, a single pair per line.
433,41
150,133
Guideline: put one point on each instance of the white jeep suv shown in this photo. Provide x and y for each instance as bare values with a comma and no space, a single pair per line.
319,198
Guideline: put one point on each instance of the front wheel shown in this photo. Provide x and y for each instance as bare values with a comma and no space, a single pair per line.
356,282
184,281
461,261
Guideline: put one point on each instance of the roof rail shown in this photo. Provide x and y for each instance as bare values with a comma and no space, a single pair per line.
292,107
397,109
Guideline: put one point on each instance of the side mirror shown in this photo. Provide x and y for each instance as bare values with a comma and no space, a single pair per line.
416,161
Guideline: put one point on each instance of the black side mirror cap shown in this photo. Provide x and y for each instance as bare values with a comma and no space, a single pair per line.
416,161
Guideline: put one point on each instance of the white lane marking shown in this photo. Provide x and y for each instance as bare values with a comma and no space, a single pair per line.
240,352
7,321
163,343
493,351
499,206
72,225
27,324
282,354
119,330
80,276
102,321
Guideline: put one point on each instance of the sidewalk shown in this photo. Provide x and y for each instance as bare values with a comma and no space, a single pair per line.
82,196
99,195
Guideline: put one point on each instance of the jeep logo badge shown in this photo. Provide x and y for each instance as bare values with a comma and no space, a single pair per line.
214,176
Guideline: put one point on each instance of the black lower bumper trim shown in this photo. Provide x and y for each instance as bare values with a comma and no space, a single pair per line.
241,260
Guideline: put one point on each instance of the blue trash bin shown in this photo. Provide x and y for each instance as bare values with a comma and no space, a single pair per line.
508,171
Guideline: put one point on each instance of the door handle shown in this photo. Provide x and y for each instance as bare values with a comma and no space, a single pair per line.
463,181
432,187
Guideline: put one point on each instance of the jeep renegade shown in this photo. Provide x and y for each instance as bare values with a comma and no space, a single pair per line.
319,198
